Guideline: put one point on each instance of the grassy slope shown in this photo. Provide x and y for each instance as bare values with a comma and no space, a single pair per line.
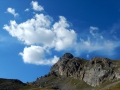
115,87
66,83
73,84
33,88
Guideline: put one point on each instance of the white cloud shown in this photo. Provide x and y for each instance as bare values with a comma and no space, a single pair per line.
27,9
40,30
32,31
93,31
87,42
44,36
12,11
102,46
36,7
66,38
36,55
40,27
93,28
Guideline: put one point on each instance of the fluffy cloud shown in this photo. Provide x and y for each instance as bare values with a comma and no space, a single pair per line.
36,7
42,36
42,31
65,38
12,11
33,31
36,55
40,27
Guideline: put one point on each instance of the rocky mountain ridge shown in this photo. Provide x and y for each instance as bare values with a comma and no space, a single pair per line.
93,72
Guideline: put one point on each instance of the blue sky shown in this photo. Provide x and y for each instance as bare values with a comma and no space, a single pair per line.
34,34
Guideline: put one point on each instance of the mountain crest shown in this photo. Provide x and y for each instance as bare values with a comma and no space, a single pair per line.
70,72
93,72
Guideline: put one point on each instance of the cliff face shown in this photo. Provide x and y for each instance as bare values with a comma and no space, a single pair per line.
94,72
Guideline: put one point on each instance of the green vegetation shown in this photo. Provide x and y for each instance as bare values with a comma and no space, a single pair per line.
34,88
65,82
79,84
115,87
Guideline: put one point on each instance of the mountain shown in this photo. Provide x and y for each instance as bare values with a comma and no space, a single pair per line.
73,73
11,84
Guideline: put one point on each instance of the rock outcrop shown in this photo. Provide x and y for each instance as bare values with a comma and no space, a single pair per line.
93,72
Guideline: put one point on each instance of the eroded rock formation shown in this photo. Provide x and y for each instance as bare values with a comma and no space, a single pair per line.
93,72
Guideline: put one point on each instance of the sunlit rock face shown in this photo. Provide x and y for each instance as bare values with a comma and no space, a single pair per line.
93,72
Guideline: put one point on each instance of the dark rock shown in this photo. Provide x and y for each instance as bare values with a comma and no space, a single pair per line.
68,55
10,84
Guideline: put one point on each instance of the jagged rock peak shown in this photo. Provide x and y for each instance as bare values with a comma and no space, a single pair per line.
68,55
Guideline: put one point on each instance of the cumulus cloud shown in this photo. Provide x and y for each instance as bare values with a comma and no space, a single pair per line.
42,31
42,36
12,11
36,7
65,38
32,31
36,55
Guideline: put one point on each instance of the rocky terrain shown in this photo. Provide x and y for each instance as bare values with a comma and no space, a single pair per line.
74,73
94,72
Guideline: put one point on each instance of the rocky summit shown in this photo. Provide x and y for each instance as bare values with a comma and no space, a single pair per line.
93,72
